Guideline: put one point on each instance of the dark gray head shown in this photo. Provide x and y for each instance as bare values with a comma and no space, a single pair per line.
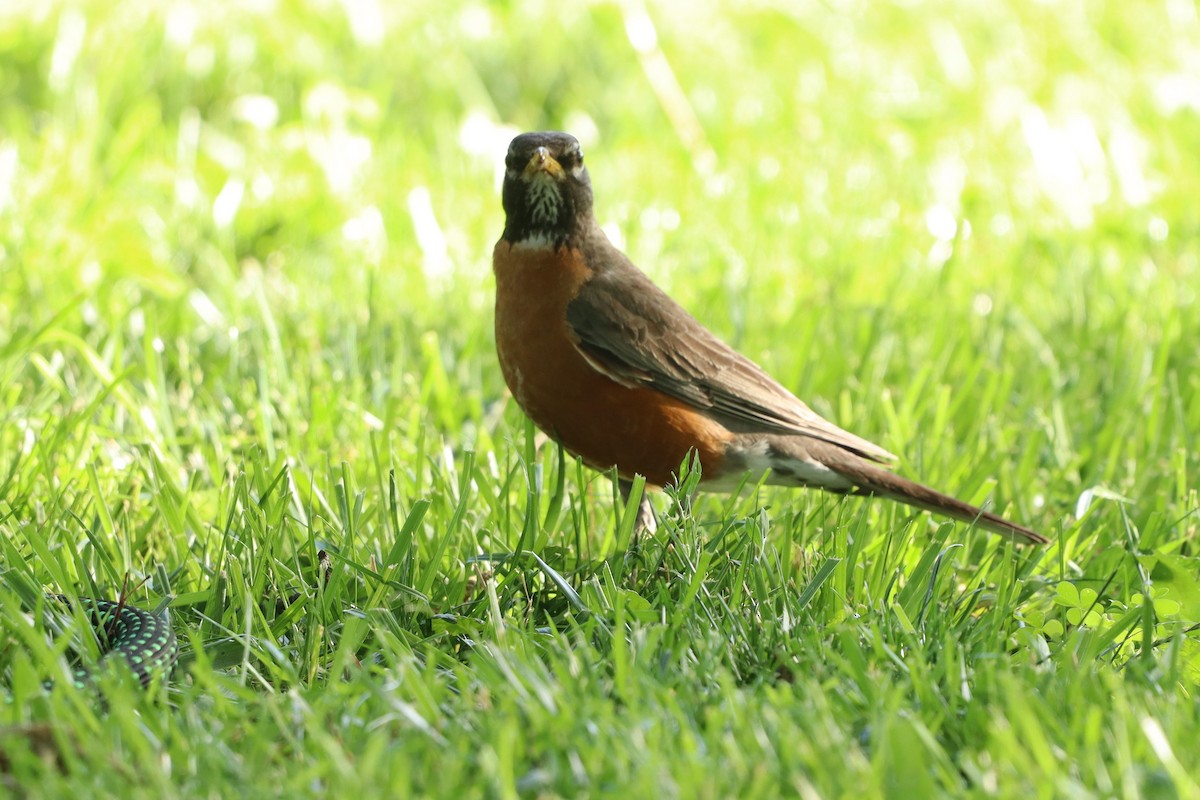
547,192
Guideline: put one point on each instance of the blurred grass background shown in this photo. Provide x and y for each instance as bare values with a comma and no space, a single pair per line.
245,316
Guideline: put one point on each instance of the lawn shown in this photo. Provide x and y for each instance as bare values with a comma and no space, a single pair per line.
247,375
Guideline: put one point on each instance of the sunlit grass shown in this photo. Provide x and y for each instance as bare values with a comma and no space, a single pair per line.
245,320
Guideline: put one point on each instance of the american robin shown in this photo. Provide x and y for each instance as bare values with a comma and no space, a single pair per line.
620,375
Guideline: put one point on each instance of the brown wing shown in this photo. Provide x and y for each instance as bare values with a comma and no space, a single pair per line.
633,332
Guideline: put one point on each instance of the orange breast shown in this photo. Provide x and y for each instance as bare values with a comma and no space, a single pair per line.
637,430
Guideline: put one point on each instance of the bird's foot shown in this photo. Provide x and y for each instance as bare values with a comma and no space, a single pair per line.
645,521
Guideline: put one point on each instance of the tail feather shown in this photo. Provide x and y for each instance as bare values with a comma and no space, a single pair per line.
871,479
886,484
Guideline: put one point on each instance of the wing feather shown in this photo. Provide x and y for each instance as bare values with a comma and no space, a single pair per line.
633,332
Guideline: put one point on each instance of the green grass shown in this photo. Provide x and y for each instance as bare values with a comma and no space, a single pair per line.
245,319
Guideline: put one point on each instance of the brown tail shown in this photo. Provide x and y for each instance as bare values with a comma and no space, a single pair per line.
874,480
886,484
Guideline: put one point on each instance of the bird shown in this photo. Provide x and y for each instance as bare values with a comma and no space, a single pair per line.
620,375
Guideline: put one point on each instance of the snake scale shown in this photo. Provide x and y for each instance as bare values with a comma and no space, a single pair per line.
142,639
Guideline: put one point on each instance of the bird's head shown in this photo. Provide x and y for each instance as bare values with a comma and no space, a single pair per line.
547,192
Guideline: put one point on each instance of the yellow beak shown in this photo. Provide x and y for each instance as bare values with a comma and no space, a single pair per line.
542,161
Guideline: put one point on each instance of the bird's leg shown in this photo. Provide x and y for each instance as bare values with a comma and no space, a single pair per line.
645,520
